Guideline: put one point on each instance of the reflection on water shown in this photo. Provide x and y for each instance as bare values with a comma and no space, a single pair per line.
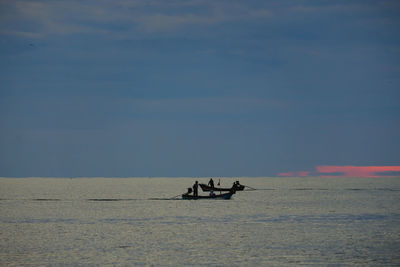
288,221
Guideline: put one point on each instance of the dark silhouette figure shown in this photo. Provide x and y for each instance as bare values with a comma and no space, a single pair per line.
195,189
189,191
236,185
211,182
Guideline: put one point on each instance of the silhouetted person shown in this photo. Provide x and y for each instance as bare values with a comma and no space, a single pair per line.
211,183
236,185
189,191
195,189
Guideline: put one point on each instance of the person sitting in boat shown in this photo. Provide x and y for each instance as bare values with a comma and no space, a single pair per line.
212,194
236,185
189,191
195,189
211,183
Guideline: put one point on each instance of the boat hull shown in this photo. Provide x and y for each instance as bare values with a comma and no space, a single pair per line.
221,196
207,188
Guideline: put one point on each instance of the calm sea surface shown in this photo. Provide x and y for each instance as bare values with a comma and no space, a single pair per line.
131,221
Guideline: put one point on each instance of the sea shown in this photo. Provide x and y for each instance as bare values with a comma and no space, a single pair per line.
144,222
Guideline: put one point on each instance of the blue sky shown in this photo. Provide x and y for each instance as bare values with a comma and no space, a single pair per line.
197,87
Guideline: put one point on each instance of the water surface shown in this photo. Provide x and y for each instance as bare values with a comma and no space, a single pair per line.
134,221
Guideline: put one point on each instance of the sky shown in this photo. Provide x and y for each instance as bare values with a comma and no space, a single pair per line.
199,88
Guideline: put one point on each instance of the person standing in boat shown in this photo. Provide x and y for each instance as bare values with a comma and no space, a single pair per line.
211,183
195,189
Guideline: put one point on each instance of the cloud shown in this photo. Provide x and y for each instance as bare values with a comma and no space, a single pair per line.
118,17
42,18
347,171
212,13
127,18
357,171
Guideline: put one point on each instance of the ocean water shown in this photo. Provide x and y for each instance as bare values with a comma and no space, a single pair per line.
132,222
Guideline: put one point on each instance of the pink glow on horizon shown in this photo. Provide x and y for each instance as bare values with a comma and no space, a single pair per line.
346,171
356,171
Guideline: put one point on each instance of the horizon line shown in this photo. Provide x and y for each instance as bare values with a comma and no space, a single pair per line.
195,177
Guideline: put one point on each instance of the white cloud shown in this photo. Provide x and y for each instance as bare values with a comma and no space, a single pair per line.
98,17
122,18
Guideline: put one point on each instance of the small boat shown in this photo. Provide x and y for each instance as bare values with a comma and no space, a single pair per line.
206,188
220,196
